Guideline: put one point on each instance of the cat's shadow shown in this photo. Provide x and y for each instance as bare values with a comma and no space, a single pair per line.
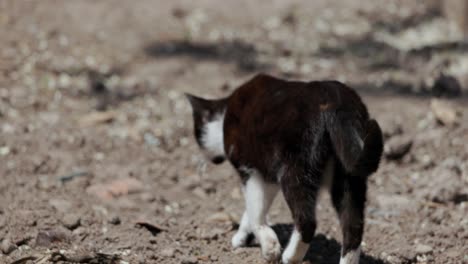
322,250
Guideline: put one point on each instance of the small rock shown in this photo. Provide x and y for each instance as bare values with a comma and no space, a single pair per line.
116,188
7,246
397,147
240,251
47,237
5,150
423,249
153,228
198,191
204,258
148,197
426,161
60,205
189,260
151,140
115,220
179,13
209,187
446,85
445,113
97,118
71,221
453,253
168,252
211,234
394,201
214,258
391,129
81,232
236,194
219,217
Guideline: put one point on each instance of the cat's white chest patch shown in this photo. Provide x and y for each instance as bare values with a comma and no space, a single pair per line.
213,137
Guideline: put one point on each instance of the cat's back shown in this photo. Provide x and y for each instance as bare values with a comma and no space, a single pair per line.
265,95
267,114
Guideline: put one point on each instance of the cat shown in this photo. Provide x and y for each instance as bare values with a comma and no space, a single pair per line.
289,136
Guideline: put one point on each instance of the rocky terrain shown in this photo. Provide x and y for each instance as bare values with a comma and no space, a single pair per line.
97,159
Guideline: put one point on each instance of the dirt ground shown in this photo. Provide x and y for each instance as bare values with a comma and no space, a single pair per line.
97,159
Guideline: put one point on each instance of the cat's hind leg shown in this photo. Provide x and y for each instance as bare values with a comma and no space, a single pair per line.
259,196
300,193
349,197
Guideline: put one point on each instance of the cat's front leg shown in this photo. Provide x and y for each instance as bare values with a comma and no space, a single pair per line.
258,198
240,238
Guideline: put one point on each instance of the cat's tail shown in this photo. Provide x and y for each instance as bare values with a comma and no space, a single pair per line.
359,156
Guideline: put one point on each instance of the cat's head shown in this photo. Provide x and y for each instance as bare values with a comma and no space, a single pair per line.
208,120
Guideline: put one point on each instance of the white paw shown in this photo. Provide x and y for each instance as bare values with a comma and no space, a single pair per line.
287,259
239,239
271,248
352,257
296,249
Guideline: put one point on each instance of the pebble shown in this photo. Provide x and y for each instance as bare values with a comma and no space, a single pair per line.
423,249
168,252
204,258
7,246
395,201
446,86
118,187
397,147
391,129
236,194
71,221
219,217
189,260
60,205
47,237
211,234
115,220
4,151
240,251
453,253
200,193
444,112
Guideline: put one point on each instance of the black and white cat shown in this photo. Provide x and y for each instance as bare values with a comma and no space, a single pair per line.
290,135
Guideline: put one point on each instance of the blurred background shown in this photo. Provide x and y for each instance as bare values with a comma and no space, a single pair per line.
97,158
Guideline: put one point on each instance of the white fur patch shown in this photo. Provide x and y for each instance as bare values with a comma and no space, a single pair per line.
259,196
296,249
352,257
212,138
240,238
271,248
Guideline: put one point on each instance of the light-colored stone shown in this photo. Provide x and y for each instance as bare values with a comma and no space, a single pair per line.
444,112
423,249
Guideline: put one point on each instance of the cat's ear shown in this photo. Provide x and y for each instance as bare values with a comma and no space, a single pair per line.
206,108
196,102
200,106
